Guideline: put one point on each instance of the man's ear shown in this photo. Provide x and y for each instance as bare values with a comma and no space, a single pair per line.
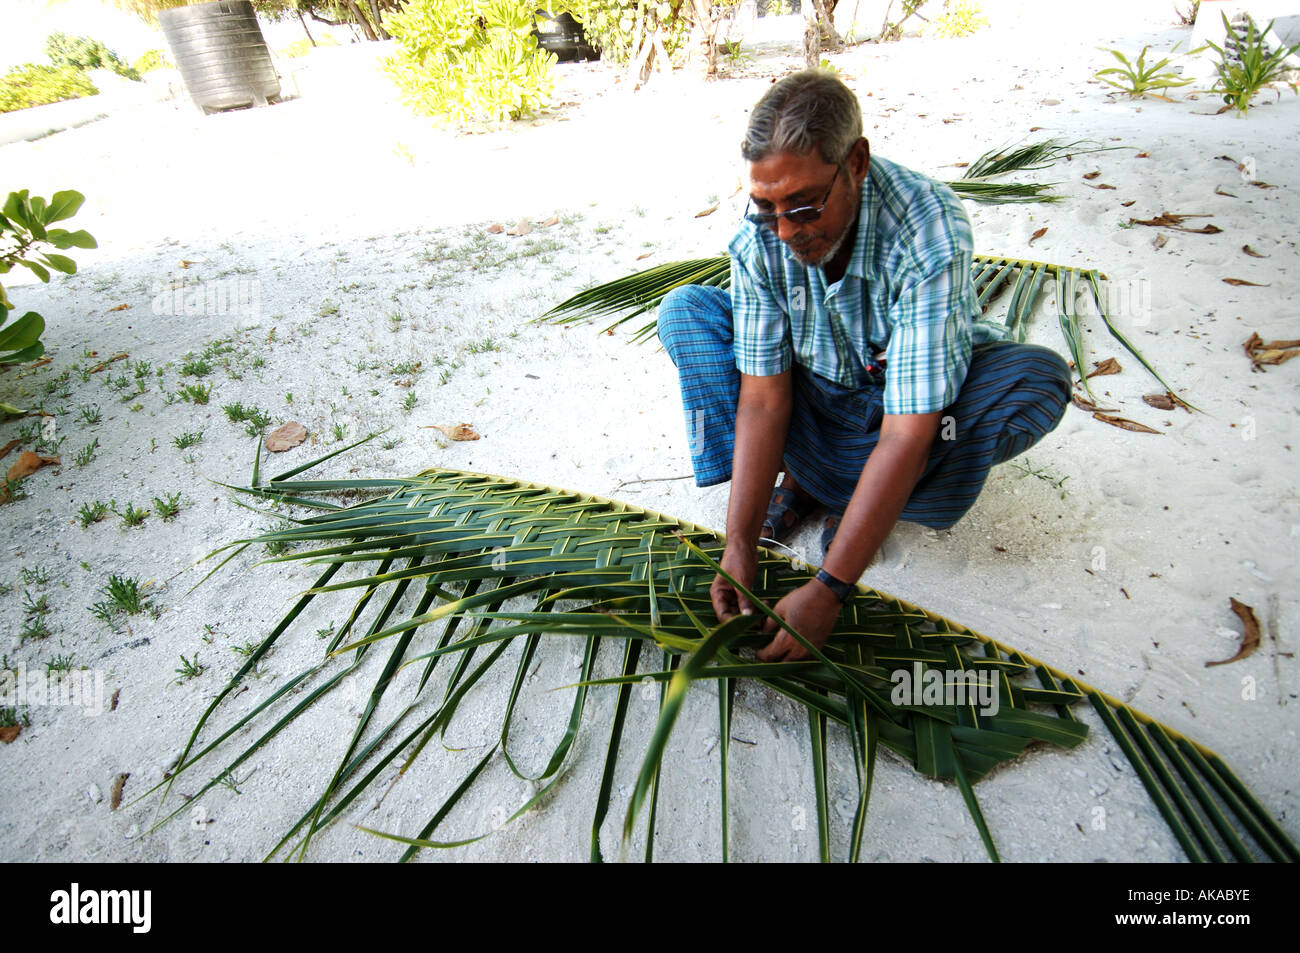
860,159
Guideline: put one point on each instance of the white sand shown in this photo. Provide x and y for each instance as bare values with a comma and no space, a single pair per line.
347,200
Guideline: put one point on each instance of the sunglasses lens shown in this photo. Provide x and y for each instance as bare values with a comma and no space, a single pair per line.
804,216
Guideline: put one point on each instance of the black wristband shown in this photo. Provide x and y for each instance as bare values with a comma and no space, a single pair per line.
844,590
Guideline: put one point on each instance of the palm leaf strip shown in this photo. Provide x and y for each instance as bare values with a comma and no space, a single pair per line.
645,577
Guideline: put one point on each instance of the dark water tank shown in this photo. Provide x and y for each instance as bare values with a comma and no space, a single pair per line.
222,56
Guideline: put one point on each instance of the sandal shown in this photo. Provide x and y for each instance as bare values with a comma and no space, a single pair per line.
828,530
784,513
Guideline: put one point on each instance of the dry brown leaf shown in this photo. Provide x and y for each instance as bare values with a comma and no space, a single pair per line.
186,262
461,431
1251,252
1123,423
28,463
1263,185
1250,632
4,451
1263,352
120,307
496,228
1219,191
645,255
708,211
1143,155
1102,187
9,732
115,792
103,364
1092,175
1128,203
1242,282
553,220
1166,401
1038,233
1175,221
1108,366
1160,241
286,437
520,227
42,361
1084,404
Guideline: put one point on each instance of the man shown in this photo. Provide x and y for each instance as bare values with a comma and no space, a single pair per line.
848,354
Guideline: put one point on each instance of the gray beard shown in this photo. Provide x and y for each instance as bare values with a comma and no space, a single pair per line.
850,230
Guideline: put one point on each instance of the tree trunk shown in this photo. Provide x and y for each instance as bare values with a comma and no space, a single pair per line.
360,19
830,39
304,27
812,36
379,22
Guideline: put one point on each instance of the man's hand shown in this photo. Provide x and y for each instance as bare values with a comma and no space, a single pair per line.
742,564
811,610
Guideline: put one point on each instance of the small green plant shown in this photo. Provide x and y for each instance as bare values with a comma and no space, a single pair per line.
478,347
256,420
60,663
196,393
124,591
167,508
392,443
13,491
288,397
339,430
406,369
34,576
142,369
247,649
327,309
1138,79
1045,474
92,512
198,367
1249,67
90,414
326,633
33,629
409,403
25,222
133,517
9,717
189,669
187,439
35,606
87,453
736,58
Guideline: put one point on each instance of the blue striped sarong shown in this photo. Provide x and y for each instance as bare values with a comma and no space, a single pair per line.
1012,396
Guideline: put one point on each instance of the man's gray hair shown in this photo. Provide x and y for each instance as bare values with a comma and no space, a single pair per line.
806,111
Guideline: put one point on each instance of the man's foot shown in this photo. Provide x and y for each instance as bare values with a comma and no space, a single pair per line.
832,524
785,512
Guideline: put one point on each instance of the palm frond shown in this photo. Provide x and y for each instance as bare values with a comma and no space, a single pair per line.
461,565
1033,155
992,276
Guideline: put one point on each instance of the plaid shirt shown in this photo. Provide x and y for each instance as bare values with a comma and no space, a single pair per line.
907,292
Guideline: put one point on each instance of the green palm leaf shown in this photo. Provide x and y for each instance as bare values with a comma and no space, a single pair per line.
496,559
992,276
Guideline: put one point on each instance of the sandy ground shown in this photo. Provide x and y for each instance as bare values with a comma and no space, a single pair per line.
358,238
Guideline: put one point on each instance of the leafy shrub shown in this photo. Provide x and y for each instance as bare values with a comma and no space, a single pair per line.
23,222
84,53
463,60
149,61
1137,78
959,18
610,24
35,85
1248,66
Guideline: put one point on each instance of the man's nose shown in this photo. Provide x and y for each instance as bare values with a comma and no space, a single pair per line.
786,230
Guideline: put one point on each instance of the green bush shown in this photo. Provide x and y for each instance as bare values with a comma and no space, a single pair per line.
22,232
149,61
1253,67
466,60
610,25
35,85
84,53
959,18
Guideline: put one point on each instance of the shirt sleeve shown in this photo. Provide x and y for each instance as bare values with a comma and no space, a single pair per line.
761,326
929,350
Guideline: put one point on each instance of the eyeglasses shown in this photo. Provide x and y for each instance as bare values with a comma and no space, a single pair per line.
804,215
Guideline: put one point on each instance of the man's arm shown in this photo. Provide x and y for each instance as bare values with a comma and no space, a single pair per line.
887,480
762,419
